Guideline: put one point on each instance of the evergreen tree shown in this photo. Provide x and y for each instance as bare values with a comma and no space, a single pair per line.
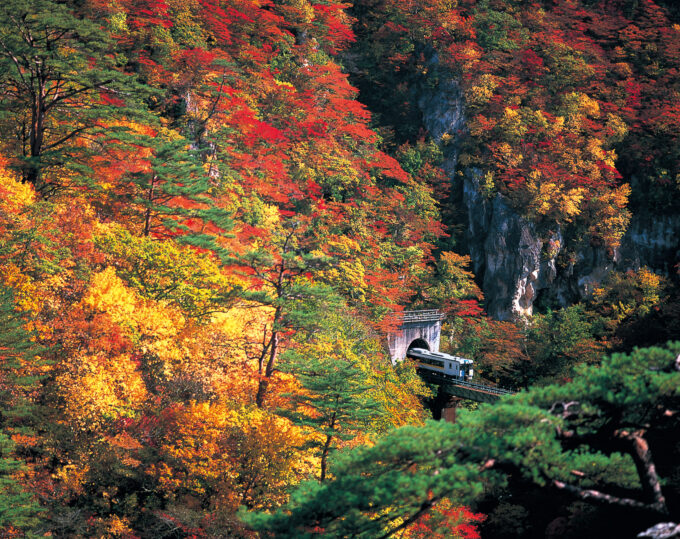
18,359
17,507
280,266
606,438
60,79
336,403
173,195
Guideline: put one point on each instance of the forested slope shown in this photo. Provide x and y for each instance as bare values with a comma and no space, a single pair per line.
189,189
204,225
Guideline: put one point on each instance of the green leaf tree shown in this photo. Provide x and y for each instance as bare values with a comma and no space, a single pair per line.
336,403
606,438
163,271
558,341
59,79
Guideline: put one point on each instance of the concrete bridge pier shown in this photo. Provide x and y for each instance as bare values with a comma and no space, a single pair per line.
443,406
448,413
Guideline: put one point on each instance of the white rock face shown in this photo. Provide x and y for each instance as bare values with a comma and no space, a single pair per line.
507,253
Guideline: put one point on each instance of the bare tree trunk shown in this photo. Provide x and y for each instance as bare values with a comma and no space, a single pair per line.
324,457
642,456
36,136
326,449
263,383
147,215
266,371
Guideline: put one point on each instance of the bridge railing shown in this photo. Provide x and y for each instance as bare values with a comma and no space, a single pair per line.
425,315
482,387
469,385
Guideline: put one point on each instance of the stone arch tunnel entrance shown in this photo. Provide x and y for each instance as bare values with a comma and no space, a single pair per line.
419,343
415,329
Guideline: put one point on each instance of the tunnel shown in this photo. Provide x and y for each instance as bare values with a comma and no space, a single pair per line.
418,343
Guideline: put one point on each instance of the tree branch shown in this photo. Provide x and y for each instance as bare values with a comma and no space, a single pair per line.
663,530
562,409
16,63
425,506
601,497
67,95
64,138
646,468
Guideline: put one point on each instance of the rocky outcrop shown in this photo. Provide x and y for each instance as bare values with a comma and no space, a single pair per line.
440,99
652,240
514,263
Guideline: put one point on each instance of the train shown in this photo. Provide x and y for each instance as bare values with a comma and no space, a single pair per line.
445,365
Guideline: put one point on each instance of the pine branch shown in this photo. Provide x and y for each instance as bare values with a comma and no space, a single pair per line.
646,468
424,508
601,497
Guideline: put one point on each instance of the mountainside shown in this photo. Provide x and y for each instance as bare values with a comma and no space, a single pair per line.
516,263
557,124
212,213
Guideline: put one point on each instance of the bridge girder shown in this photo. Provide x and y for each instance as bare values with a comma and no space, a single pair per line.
466,390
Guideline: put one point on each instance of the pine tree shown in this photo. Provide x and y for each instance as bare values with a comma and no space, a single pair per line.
60,79
174,194
280,267
606,438
336,403
17,507
18,350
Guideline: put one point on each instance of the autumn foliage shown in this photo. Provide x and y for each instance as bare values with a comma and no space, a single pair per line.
203,230
185,188
569,105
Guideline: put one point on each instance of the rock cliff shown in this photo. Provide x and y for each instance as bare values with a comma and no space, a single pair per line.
513,262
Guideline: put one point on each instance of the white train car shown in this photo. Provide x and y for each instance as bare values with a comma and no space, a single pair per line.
445,365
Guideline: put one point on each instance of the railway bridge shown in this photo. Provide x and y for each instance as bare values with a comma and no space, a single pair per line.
422,329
